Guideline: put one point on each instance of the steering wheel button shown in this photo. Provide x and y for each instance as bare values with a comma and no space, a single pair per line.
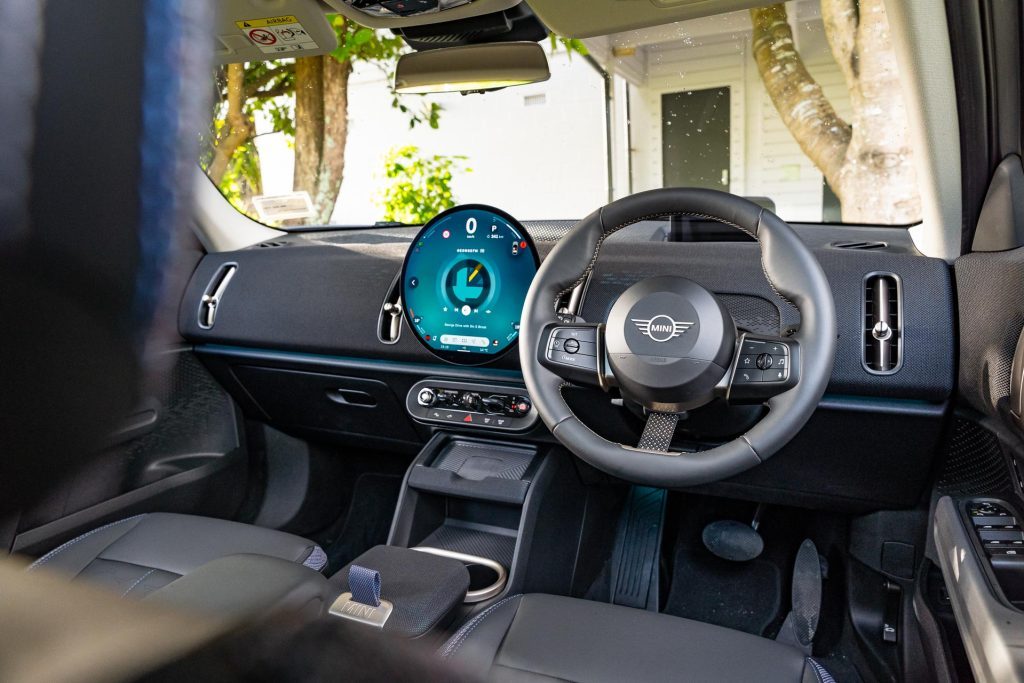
764,361
780,361
775,375
571,345
580,334
751,347
574,359
748,362
748,376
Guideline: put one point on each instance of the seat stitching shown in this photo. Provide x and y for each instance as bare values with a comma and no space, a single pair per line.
821,672
463,633
61,548
137,582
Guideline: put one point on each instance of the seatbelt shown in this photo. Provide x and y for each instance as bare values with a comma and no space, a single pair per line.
20,54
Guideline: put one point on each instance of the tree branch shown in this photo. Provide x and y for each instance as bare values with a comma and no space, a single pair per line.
841,18
253,86
277,90
799,99
237,128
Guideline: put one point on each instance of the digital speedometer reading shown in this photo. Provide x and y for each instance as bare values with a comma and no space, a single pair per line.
464,282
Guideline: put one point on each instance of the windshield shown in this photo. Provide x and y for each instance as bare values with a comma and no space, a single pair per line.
797,106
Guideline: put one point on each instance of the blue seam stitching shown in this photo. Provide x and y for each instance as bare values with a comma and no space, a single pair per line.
56,551
821,672
460,637
136,583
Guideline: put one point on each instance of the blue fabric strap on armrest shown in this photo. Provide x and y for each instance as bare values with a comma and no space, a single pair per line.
365,585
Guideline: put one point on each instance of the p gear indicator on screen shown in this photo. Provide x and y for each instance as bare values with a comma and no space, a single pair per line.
464,282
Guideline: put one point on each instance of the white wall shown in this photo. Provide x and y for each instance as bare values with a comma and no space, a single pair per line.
537,151
765,159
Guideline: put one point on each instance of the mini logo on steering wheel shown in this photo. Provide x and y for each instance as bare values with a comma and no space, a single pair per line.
661,328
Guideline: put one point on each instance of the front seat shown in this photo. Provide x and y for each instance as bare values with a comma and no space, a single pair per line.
546,637
141,554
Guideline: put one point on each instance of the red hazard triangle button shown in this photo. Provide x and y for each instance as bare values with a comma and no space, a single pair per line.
468,418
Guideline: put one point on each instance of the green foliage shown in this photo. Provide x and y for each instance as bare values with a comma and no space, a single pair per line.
571,45
243,178
357,42
429,113
419,187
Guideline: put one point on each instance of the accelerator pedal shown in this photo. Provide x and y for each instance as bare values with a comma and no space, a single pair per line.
802,621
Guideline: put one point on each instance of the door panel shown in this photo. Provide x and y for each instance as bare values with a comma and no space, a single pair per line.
181,450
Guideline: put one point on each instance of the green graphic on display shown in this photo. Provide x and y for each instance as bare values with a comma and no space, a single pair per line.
464,282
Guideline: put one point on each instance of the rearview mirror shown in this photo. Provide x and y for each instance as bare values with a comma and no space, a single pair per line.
471,68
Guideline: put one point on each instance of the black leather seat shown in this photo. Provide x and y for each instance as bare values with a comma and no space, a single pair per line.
138,555
546,637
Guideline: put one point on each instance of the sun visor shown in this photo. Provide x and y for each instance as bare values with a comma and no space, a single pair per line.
574,19
405,13
257,30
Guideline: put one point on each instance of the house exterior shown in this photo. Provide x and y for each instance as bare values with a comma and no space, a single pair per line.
676,105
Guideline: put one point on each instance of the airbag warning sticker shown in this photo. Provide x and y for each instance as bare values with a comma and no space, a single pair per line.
277,34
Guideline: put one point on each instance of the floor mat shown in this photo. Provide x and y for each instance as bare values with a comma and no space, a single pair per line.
743,596
367,521
746,596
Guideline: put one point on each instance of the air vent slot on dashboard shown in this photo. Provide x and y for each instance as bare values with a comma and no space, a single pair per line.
883,323
214,294
389,321
863,245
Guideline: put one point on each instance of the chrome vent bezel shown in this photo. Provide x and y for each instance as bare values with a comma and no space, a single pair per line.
209,303
389,319
873,349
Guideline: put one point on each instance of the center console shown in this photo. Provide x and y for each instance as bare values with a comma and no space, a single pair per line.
497,408
466,533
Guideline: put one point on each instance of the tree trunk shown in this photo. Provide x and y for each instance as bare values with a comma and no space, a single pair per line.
321,130
868,162
820,132
237,129
878,181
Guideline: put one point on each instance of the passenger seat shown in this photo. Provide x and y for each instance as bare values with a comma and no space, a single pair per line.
138,555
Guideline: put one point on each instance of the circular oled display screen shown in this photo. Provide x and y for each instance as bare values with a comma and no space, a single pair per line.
464,282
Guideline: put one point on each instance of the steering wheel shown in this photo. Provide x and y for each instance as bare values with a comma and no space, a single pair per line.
671,345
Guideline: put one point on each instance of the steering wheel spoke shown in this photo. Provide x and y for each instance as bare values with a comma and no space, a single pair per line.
574,352
764,367
658,431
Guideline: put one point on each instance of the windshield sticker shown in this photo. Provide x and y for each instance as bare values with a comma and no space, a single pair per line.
282,207
277,34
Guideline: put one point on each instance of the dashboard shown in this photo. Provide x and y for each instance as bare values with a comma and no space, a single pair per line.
464,281
297,342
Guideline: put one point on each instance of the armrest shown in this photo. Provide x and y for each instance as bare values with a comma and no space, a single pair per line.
247,585
993,632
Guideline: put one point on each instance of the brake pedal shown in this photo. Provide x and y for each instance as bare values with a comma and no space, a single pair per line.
734,541
802,621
